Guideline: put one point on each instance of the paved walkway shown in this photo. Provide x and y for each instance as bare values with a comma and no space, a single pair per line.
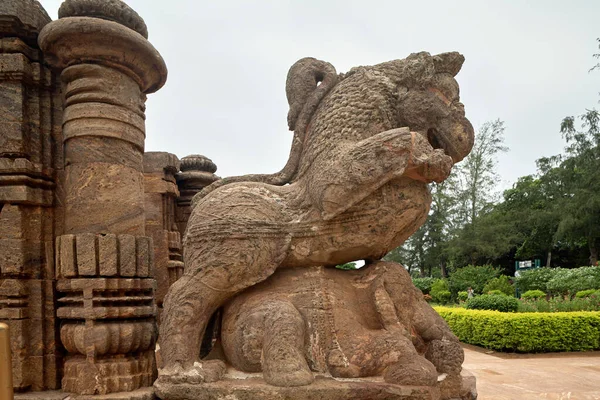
554,376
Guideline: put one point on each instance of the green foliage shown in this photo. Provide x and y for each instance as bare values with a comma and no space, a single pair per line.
453,233
532,209
578,169
439,291
533,294
560,304
525,332
463,296
570,281
493,302
347,266
497,292
472,276
585,293
534,279
443,297
501,284
423,284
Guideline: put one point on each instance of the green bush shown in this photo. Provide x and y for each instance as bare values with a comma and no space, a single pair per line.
534,279
571,281
533,294
471,276
585,293
502,284
525,332
443,297
463,296
493,302
438,291
497,292
423,284
560,304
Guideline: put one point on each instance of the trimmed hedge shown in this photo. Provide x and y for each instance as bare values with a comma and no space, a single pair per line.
498,302
585,293
533,294
525,332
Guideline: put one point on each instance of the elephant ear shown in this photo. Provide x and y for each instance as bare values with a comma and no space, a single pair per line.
449,63
308,81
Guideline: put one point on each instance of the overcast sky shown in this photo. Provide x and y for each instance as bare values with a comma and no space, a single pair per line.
526,63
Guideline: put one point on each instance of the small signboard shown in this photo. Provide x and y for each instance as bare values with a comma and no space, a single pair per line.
525,265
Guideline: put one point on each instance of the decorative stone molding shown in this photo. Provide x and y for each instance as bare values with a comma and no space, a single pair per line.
104,255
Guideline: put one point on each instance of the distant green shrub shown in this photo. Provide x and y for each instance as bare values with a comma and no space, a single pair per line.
493,302
443,297
560,304
533,294
471,276
439,291
463,296
585,293
525,332
571,281
497,292
534,279
502,284
423,284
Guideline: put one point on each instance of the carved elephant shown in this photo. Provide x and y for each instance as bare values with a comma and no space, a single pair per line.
350,324
366,144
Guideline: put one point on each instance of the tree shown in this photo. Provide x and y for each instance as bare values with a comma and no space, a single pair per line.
580,168
476,174
451,235
532,207
474,194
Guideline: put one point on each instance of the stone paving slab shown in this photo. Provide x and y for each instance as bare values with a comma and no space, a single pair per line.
553,376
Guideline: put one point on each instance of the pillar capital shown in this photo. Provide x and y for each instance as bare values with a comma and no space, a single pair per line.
88,40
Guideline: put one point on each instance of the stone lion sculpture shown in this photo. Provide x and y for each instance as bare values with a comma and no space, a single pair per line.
366,144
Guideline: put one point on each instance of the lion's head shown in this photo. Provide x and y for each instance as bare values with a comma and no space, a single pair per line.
428,99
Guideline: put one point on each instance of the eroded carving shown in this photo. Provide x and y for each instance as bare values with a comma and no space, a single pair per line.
366,144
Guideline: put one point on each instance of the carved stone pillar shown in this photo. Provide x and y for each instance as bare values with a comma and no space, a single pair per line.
30,113
104,260
161,194
196,173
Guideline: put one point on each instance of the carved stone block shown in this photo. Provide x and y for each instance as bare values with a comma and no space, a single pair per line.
106,255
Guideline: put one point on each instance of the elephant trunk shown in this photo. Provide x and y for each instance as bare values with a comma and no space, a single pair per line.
308,81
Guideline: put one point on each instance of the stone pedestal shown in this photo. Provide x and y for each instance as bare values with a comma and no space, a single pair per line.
104,260
30,167
324,388
236,384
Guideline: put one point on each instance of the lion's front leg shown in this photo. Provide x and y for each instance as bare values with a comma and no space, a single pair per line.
360,169
238,243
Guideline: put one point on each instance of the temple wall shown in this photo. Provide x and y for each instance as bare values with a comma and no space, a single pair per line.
30,197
